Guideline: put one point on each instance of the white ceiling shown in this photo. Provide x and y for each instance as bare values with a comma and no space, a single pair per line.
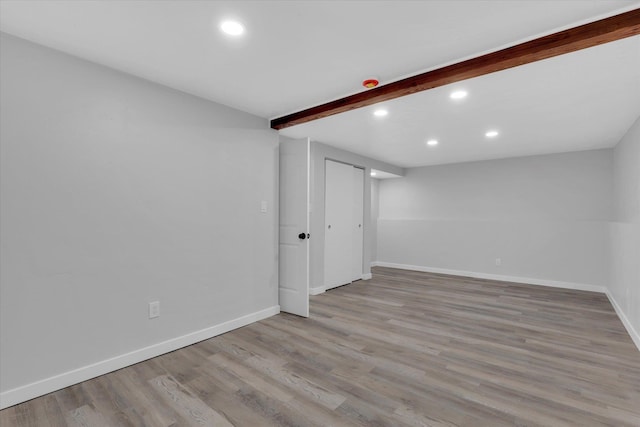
297,54
378,174
580,101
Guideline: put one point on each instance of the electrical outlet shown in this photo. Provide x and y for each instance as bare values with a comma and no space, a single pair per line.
154,309
498,261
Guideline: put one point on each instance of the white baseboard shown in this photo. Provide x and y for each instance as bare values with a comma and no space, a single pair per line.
635,337
317,290
322,289
503,278
57,382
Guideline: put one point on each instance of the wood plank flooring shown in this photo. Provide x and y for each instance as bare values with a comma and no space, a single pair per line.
402,349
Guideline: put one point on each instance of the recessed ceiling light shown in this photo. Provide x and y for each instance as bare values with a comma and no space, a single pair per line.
491,134
458,94
233,28
432,142
381,112
373,174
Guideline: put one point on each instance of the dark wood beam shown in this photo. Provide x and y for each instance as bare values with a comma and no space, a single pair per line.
584,36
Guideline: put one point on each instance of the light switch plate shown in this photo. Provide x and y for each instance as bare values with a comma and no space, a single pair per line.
154,309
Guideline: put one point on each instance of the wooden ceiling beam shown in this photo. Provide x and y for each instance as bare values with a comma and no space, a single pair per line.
584,36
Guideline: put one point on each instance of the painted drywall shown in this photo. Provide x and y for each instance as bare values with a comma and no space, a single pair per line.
116,192
319,153
624,285
375,213
545,217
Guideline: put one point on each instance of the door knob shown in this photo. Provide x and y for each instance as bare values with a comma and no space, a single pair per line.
302,236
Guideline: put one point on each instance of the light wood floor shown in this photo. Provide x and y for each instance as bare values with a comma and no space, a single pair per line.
404,348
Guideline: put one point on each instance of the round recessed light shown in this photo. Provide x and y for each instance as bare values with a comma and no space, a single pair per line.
432,142
373,174
233,28
381,112
458,94
491,134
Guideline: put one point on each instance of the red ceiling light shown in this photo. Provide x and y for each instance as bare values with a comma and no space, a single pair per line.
370,83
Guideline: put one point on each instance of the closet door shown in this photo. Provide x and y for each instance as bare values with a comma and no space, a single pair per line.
357,224
338,253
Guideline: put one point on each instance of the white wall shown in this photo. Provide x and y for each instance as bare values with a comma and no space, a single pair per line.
319,153
624,286
116,192
375,213
545,217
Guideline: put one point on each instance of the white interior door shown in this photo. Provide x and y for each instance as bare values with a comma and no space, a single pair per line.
294,226
358,223
338,264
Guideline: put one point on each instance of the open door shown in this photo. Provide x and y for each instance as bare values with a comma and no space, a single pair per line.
295,163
